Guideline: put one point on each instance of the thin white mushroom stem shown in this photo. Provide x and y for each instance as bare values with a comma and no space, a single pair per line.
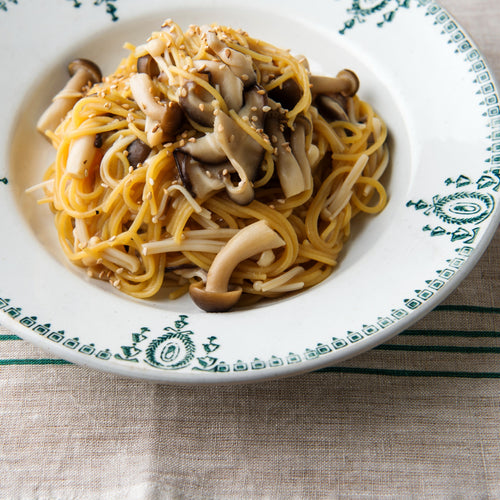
83,72
63,102
251,240
81,155
142,87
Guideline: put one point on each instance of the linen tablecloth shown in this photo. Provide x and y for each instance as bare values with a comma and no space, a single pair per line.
417,417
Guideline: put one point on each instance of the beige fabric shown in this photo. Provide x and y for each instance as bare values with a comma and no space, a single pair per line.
417,418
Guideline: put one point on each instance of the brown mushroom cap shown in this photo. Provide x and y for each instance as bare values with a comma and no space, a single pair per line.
90,67
213,301
138,151
217,294
146,64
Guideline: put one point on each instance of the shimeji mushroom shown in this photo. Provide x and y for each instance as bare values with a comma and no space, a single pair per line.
162,119
216,295
346,83
83,73
81,155
332,107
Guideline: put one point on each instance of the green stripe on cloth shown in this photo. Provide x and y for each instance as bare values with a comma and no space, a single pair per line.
406,373
439,348
450,333
464,308
41,361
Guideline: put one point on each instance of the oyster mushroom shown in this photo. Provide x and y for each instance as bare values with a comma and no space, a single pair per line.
230,86
82,72
345,83
240,64
197,103
162,119
288,168
216,295
199,178
302,128
227,143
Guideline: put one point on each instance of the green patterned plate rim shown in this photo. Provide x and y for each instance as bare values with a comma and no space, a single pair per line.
420,70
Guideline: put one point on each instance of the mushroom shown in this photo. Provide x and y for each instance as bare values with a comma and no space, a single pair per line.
332,107
199,178
216,295
208,148
302,128
162,119
230,86
240,64
205,149
81,155
197,103
82,72
288,94
146,64
228,142
137,151
288,169
346,83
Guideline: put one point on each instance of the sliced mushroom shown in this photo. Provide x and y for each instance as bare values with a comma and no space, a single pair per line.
205,149
230,86
244,153
162,119
216,295
241,64
227,143
197,103
208,149
82,72
302,128
201,179
346,83
287,167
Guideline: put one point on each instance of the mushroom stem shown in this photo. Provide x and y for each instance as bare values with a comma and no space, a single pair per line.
251,240
346,83
82,73
161,119
80,156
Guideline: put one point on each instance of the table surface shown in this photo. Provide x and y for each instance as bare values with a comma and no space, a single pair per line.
417,417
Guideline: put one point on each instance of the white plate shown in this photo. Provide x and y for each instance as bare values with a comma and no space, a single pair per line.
417,67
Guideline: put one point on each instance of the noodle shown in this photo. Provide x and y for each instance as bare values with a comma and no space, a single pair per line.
147,190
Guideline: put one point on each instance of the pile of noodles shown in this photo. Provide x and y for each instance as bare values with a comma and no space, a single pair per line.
141,227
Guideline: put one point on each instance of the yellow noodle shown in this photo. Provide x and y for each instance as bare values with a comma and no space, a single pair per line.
115,219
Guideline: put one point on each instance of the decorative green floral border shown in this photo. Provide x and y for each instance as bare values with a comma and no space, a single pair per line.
110,5
457,214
